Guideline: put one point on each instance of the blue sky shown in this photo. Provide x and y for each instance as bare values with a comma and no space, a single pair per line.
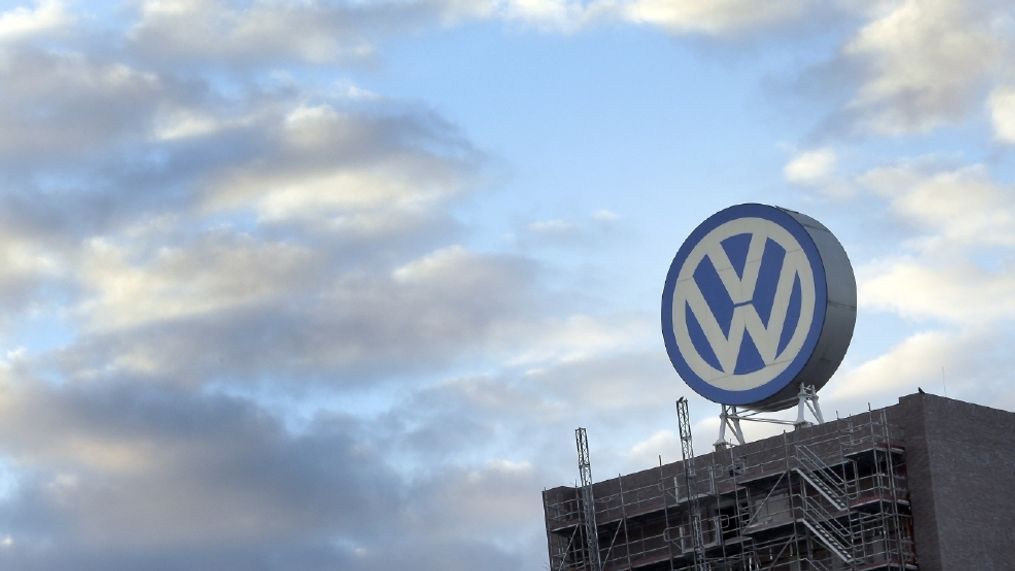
319,285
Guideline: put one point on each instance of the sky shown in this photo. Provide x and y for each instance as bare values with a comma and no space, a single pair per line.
329,285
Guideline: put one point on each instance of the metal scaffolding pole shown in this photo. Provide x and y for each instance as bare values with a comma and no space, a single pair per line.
588,500
821,499
687,453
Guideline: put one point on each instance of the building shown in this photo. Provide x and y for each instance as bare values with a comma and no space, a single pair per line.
927,484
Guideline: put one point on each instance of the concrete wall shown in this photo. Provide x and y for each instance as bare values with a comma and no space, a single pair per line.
960,459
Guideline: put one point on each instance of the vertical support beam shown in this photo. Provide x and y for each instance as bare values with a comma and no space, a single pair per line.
717,521
623,515
729,418
807,399
588,500
687,453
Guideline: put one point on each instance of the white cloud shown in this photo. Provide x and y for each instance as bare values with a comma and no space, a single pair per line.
217,32
581,337
816,171
951,272
21,22
916,360
461,500
957,207
313,194
925,63
358,93
556,14
210,275
183,124
326,163
438,265
605,215
117,468
29,272
90,104
955,291
713,17
661,443
723,18
227,305
960,363
569,232
810,167
1002,113
954,268
552,226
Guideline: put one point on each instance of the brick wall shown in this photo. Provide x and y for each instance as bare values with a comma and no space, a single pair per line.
961,464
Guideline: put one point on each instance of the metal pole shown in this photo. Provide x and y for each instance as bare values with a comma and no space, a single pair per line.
588,500
687,453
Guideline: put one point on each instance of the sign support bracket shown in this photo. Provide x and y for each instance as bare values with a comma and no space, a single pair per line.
730,417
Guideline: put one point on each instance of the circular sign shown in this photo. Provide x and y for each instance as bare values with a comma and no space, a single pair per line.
758,301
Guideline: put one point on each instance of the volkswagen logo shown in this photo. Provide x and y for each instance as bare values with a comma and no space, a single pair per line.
758,301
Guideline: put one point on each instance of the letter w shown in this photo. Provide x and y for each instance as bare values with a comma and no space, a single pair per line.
745,316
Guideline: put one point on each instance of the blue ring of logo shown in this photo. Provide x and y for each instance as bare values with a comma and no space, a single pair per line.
788,376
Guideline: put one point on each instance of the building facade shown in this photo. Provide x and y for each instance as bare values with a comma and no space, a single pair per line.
926,484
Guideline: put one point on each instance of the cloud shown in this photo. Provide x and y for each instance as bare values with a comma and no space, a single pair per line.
529,412
661,443
184,32
959,363
217,272
565,15
951,275
552,226
81,125
952,268
816,171
126,476
1002,113
605,215
320,163
60,107
918,359
953,207
27,269
713,17
231,308
209,237
578,336
185,211
208,221
810,167
227,35
22,23
593,231
922,65
225,472
217,254
462,501
950,290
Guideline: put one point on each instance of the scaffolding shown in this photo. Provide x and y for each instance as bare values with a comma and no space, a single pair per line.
830,497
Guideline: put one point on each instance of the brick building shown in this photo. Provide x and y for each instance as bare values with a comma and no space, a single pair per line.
927,484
